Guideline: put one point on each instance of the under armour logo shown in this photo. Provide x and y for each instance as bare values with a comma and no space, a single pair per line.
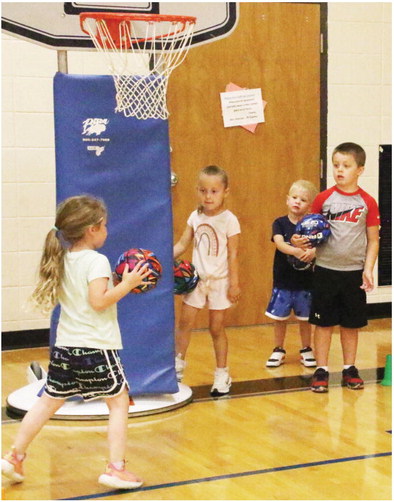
317,315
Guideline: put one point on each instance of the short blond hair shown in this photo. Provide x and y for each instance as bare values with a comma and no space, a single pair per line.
306,186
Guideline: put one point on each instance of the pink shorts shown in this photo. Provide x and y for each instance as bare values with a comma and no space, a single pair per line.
212,292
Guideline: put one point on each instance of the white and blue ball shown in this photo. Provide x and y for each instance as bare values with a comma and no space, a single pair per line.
314,226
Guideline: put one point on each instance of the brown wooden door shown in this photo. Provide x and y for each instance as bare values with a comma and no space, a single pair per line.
275,47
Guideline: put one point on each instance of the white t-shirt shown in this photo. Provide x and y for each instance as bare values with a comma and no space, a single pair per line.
211,234
80,325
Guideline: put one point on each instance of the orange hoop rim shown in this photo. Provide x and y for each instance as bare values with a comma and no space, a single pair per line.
121,16
115,18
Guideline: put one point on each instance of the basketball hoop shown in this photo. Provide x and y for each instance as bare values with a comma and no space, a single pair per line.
141,51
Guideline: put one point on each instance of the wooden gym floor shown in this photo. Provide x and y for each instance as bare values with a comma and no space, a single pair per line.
272,439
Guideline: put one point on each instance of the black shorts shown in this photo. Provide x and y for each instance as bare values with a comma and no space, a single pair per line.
338,299
81,371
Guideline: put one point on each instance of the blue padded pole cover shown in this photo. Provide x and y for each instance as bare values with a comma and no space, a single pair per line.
126,162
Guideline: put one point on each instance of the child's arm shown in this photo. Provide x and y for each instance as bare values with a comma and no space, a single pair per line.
100,297
300,241
370,259
306,255
184,242
232,253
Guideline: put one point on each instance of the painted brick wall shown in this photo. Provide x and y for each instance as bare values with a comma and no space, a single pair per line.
359,89
28,169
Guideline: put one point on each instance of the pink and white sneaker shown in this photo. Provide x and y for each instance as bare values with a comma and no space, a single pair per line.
11,466
119,478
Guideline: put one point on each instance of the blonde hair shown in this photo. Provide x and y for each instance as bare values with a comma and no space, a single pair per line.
306,186
73,216
213,171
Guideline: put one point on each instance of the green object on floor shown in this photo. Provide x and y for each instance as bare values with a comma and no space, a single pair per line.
387,372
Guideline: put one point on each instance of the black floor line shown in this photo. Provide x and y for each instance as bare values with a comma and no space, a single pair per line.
250,388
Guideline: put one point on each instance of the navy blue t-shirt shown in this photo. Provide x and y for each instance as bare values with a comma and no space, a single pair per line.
286,276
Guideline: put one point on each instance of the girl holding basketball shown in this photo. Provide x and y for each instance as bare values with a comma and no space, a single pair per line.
215,231
74,274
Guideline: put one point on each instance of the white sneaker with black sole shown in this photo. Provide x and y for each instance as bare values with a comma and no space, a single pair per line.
276,358
307,357
222,382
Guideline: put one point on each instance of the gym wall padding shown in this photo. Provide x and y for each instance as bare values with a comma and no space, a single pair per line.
126,162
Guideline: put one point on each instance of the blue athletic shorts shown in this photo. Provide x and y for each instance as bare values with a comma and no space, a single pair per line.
85,372
283,301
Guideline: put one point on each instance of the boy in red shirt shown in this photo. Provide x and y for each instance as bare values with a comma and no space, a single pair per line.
344,265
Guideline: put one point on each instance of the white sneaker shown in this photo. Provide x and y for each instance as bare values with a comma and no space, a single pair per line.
180,365
276,358
307,357
222,382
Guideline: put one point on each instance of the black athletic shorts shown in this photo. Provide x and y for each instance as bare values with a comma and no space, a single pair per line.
338,299
80,371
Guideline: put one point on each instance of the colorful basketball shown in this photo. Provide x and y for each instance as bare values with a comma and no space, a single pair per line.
315,227
132,257
185,277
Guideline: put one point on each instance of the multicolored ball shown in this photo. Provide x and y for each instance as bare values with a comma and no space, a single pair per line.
132,257
315,227
185,277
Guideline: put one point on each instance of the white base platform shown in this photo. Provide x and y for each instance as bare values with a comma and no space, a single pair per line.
21,400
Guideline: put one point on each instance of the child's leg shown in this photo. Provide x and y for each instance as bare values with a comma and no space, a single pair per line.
117,426
350,375
34,420
115,475
306,353
279,333
222,380
349,342
322,344
305,333
219,337
278,355
183,332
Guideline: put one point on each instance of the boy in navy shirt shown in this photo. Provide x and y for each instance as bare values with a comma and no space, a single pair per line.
292,282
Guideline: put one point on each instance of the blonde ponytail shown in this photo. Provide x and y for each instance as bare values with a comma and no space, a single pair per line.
50,273
73,216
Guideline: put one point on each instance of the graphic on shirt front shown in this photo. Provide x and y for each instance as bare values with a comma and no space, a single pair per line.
205,235
351,215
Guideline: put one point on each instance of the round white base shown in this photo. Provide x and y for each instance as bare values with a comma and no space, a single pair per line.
21,400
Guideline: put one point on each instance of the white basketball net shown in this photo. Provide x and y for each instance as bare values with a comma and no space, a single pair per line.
142,61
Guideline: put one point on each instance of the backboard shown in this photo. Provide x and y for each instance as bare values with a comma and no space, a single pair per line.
56,24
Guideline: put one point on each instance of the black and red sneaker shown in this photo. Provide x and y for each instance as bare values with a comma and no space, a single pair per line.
351,379
320,381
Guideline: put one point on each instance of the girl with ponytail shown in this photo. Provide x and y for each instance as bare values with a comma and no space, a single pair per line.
84,360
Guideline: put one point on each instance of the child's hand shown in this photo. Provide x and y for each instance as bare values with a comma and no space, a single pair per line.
233,293
306,255
136,276
299,241
367,284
